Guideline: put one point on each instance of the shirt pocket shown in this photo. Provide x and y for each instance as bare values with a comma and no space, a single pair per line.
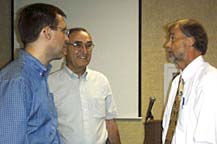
99,107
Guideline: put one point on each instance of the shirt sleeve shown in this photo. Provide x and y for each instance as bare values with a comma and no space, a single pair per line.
206,112
111,110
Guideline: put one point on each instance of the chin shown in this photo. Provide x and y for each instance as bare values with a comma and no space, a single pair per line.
58,57
172,59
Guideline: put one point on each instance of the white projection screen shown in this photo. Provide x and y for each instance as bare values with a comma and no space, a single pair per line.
114,26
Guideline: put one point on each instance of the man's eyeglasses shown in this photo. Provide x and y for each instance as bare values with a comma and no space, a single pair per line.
172,38
79,45
64,30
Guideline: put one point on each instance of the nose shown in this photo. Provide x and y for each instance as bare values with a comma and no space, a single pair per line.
167,44
84,49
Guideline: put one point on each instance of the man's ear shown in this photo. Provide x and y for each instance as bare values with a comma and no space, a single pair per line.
65,49
46,32
190,41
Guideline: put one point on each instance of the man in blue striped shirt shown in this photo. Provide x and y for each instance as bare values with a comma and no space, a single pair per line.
27,111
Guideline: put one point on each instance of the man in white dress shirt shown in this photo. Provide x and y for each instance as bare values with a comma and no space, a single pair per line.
197,119
83,97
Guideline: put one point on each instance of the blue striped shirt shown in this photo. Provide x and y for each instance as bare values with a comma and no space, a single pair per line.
27,111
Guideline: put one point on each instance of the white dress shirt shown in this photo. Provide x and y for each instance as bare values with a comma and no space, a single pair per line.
197,123
82,105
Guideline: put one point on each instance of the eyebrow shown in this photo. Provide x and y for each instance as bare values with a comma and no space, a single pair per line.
82,41
63,26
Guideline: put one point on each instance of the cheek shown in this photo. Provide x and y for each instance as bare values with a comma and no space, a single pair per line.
61,38
89,56
69,53
176,46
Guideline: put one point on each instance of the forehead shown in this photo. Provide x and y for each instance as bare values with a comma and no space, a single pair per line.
175,30
80,35
61,21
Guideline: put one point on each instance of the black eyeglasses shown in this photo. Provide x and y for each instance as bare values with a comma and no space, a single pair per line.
79,45
64,30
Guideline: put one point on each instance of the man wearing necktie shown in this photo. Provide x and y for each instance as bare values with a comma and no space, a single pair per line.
190,115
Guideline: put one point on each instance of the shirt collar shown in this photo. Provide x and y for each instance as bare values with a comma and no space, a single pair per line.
192,68
35,63
74,75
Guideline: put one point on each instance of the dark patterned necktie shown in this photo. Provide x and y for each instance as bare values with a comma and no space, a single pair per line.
175,112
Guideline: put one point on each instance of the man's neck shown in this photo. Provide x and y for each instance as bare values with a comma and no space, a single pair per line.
38,54
78,71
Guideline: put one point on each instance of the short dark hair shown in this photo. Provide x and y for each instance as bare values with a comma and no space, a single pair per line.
78,29
192,28
34,17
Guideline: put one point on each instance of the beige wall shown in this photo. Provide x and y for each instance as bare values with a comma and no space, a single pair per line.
155,15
